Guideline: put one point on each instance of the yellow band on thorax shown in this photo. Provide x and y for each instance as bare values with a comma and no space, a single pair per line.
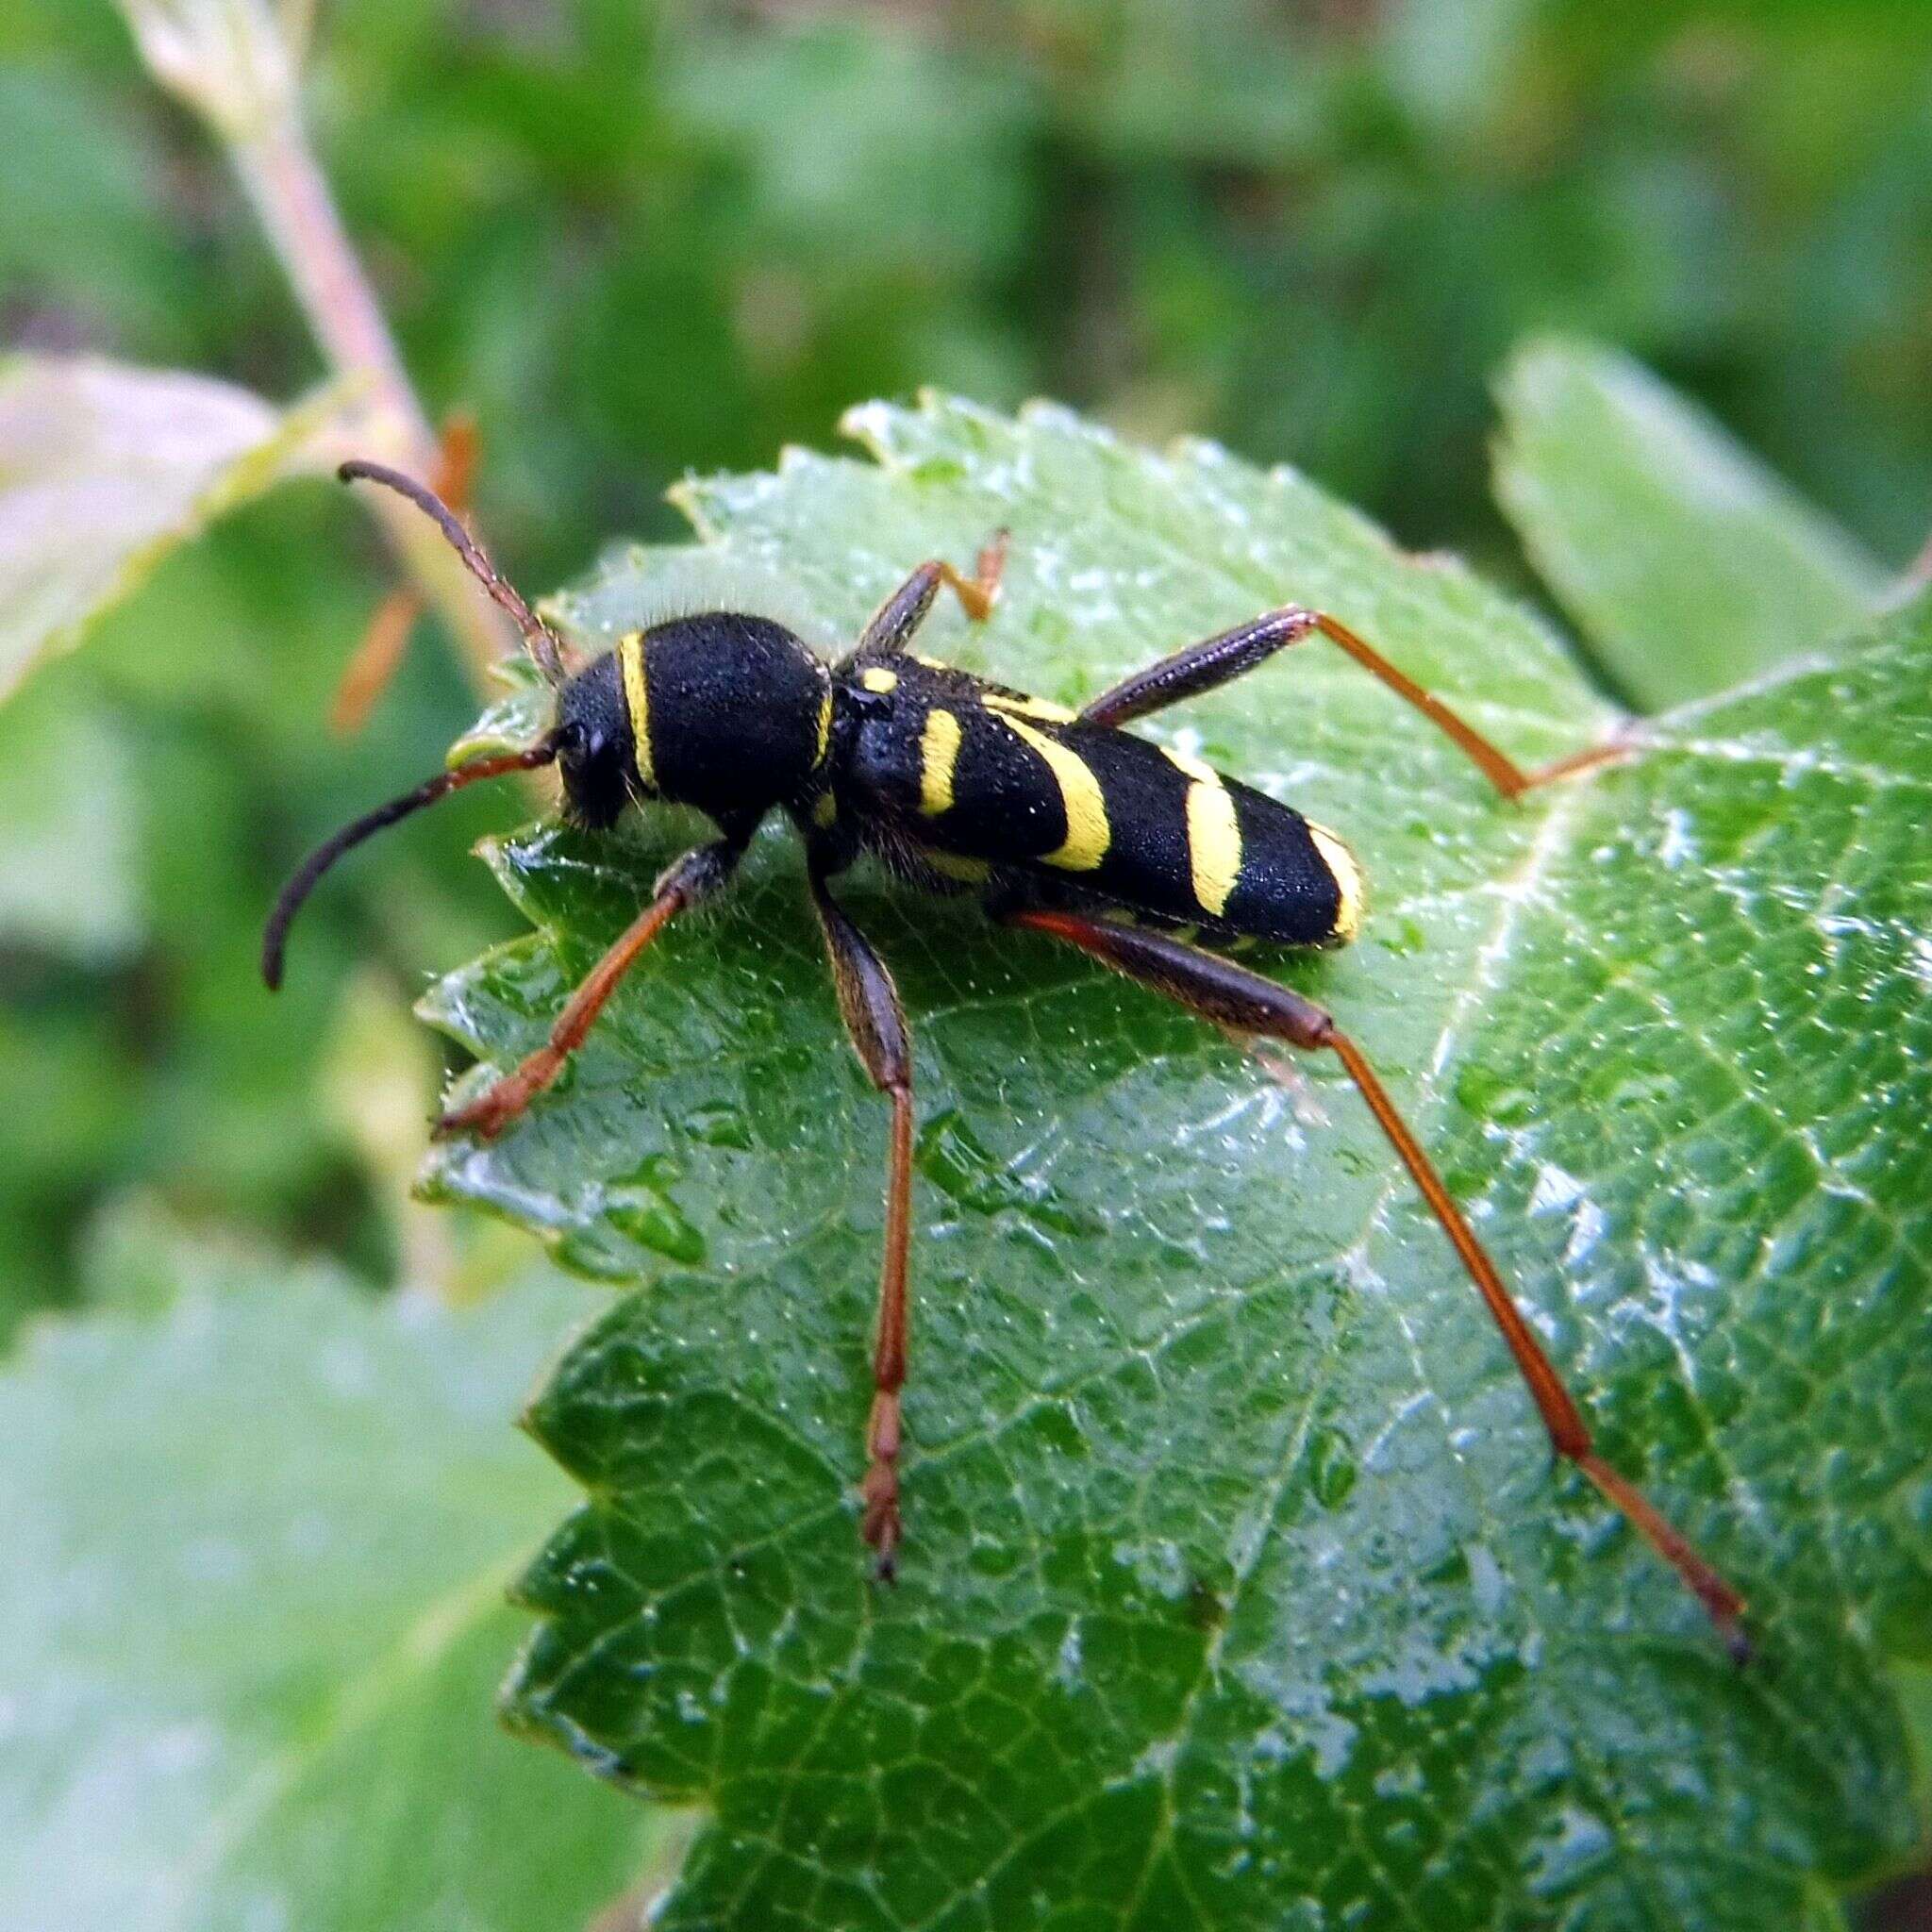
637,696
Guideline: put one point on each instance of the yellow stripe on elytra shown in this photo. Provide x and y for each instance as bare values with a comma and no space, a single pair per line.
938,749
1348,882
1214,833
1214,842
1193,767
825,728
1044,708
1088,834
637,695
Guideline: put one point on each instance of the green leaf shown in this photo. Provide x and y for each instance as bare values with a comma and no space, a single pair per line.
256,1546
70,873
1917,1683
512,722
1689,566
1239,1587
104,468
851,177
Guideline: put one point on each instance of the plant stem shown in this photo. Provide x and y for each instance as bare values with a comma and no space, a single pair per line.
278,171
285,185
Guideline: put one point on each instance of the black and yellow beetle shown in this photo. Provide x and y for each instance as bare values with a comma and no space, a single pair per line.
1062,822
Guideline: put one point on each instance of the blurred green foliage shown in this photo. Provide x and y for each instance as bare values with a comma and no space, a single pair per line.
637,239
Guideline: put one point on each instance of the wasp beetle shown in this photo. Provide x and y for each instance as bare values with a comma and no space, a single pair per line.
1062,823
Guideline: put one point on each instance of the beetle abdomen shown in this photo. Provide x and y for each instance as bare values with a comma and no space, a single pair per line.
971,770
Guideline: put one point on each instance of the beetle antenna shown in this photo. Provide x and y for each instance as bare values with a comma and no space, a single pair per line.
288,902
543,644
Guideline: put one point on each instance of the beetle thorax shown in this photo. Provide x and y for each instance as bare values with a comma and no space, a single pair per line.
727,712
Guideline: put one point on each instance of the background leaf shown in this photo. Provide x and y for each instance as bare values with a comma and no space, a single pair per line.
255,1689
1240,1589
70,873
1689,566
102,469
